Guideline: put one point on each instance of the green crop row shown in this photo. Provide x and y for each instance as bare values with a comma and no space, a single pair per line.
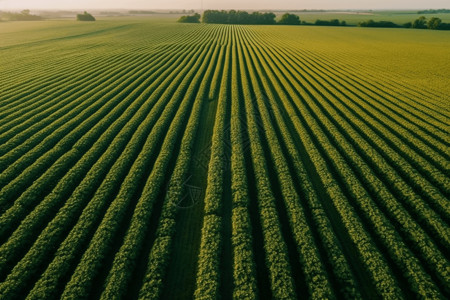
160,253
277,258
327,236
91,214
30,224
422,281
55,160
374,263
168,127
420,208
108,185
208,273
244,272
309,256
125,259
326,177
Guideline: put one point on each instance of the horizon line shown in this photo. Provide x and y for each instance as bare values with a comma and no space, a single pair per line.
241,9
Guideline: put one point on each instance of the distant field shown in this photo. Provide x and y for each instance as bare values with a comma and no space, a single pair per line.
353,18
141,158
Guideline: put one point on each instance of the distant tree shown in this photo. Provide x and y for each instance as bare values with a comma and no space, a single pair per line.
261,18
434,23
237,17
190,19
289,19
215,16
444,26
85,17
24,15
321,23
242,17
380,24
434,11
334,22
408,25
421,23
268,18
368,23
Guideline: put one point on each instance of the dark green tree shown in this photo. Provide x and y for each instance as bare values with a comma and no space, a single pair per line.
380,24
85,17
334,22
421,22
237,17
434,23
190,19
407,25
289,19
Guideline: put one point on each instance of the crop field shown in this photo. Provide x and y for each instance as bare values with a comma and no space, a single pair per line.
354,17
141,158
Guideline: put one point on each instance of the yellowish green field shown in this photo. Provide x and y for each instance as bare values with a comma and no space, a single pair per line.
354,17
142,158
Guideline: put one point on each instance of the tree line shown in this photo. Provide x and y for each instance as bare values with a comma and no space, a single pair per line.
420,23
268,18
434,11
254,18
237,17
24,15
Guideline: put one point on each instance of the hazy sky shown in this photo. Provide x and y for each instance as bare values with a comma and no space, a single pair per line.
224,4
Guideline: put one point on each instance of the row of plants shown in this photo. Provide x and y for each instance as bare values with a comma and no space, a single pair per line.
318,284
58,105
276,252
413,201
144,179
422,138
208,273
368,133
38,123
126,258
16,103
98,199
373,260
395,96
379,223
412,101
327,237
62,131
387,83
160,253
244,269
390,145
41,167
62,189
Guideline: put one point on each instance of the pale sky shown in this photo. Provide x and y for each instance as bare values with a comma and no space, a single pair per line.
223,4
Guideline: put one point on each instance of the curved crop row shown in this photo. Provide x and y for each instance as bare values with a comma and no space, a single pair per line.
394,244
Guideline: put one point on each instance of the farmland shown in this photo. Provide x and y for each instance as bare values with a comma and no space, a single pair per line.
354,17
141,158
